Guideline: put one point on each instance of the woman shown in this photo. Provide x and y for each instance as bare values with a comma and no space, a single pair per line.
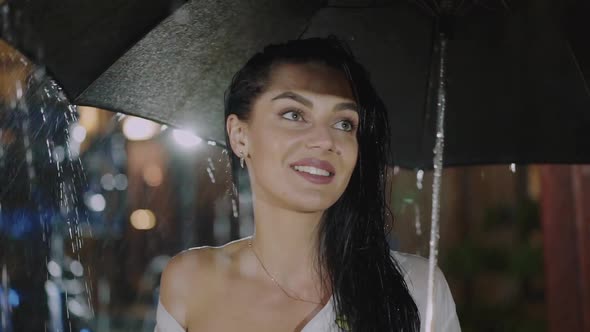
308,125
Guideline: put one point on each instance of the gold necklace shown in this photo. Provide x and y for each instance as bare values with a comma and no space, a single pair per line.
294,297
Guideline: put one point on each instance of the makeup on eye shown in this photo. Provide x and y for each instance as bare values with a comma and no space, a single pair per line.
351,124
299,113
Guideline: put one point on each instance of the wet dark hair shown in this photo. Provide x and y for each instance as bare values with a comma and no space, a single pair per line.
367,283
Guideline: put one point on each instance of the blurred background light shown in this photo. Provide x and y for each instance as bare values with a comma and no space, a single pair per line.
78,133
76,308
74,149
185,138
13,298
138,129
54,269
73,286
152,175
96,202
76,268
59,153
107,181
120,181
143,219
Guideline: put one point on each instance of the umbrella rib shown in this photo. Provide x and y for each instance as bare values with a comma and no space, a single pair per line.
308,23
459,6
578,67
506,5
424,6
436,5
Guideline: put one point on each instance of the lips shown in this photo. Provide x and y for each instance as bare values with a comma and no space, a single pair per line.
314,170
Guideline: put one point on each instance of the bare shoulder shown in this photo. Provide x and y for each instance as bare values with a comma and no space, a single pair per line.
193,276
183,279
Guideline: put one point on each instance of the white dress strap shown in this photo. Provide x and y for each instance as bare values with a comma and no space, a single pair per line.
165,322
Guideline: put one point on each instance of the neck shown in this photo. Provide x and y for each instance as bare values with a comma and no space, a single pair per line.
286,243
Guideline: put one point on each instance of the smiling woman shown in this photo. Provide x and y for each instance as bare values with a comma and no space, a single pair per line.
306,121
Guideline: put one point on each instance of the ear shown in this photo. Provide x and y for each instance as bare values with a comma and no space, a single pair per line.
237,130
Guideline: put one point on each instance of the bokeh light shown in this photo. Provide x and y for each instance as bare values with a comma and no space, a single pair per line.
143,219
152,175
96,202
185,138
138,129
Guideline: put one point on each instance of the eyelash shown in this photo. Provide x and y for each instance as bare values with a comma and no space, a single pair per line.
300,114
296,111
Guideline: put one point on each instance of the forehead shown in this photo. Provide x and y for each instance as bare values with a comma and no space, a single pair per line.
312,77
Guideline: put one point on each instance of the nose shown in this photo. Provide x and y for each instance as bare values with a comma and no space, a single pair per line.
321,137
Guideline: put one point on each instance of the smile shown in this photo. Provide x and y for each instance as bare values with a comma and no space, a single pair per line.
312,170
313,174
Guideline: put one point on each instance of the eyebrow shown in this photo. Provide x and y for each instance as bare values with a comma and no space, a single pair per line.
306,102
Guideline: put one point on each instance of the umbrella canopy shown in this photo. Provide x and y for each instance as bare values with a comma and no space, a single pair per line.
77,40
517,73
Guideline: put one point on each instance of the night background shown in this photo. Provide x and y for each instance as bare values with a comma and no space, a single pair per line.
112,157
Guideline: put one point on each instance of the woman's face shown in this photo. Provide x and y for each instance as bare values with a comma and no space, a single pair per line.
301,137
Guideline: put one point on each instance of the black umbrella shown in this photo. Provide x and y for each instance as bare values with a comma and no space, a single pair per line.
517,78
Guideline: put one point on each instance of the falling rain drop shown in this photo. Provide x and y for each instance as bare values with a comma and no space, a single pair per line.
419,179
417,222
234,207
210,162
513,168
211,176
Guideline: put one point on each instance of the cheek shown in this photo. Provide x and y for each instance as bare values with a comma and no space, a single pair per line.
350,153
268,144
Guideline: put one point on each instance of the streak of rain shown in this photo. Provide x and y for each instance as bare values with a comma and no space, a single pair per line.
436,184
44,180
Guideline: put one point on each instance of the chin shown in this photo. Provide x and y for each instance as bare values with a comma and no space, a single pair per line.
310,204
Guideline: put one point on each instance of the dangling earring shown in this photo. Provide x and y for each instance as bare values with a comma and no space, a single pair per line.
242,159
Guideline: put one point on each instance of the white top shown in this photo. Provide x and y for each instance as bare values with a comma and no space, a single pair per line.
415,270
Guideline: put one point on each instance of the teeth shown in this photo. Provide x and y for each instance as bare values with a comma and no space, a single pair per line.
312,170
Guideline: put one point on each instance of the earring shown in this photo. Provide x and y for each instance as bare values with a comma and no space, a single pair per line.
242,159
